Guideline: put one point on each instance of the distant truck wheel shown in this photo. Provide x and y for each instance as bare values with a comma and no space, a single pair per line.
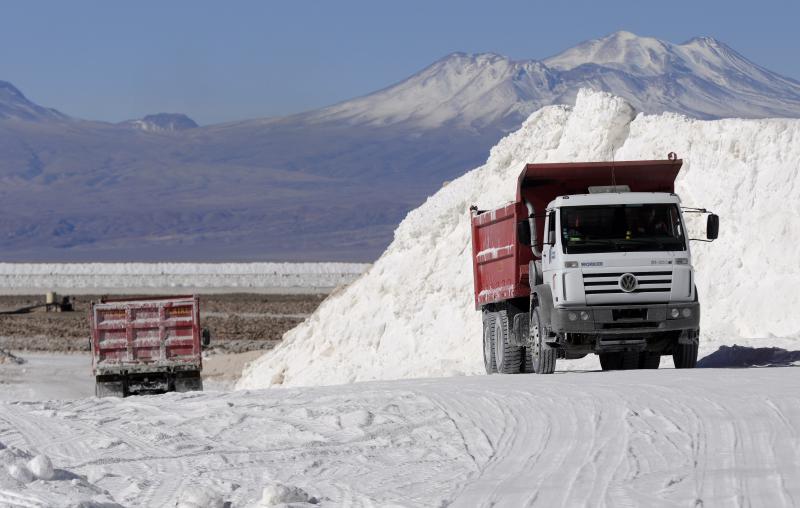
649,360
488,343
189,382
105,387
541,356
684,356
508,358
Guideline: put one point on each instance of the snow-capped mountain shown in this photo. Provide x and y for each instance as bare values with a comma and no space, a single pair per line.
162,122
15,106
329,184
701,78
461,89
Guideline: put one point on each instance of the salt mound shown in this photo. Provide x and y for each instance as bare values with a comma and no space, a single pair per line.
199,497
411,314
279,495
21,473
41,467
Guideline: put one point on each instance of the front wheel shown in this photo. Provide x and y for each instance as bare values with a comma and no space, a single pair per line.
649,360
621,360
610,361
684,356
542,357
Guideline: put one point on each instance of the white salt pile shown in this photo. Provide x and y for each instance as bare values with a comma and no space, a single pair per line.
77,278
412,314
41,467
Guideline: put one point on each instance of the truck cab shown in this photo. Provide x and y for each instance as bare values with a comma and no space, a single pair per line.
618,268
591,267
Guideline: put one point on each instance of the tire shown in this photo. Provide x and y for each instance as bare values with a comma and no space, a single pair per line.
630,360
189,382
684,356
649,360
620,360
610,361
507,357
112,388
542,358
527,360
488,343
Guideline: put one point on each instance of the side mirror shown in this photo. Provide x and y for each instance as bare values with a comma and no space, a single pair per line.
205,337
712,227
551,237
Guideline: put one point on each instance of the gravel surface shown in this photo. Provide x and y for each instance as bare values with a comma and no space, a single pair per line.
238,322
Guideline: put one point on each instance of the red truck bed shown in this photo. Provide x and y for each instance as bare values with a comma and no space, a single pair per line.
148,344
500,260
145,334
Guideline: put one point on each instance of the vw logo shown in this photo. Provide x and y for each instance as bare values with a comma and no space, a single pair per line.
628,282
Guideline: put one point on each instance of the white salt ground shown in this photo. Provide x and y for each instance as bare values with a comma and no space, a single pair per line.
700,437
412,314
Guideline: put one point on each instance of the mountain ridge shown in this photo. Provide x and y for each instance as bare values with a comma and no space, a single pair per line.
329,184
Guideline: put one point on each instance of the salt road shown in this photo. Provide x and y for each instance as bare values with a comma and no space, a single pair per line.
703,437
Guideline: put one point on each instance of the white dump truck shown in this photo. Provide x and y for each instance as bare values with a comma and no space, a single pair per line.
590,258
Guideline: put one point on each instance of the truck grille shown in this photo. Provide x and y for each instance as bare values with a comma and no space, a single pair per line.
607,283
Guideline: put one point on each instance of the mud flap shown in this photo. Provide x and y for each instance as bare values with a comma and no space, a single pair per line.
544,300
520,329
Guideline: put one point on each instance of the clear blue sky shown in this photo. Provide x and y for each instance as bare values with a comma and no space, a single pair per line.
221,61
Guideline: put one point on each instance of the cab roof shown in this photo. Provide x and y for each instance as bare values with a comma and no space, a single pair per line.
615,198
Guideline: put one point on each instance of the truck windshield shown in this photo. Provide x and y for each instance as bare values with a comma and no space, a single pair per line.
607,228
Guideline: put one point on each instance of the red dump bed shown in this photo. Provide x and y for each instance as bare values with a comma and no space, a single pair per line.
500,260
146,335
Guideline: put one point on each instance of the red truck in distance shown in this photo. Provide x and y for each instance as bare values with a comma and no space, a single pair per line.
591,258
147,345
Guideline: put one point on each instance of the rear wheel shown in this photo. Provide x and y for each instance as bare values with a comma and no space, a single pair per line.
189,382
508,358
527,360
685,356
105,387
541,356
488,343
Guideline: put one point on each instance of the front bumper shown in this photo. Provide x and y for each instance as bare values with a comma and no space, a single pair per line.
625,319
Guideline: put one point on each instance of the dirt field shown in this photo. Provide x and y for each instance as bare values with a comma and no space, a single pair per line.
238,322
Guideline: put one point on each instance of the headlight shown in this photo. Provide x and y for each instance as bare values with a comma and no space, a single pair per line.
584,315
686,312
674,313
572,316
